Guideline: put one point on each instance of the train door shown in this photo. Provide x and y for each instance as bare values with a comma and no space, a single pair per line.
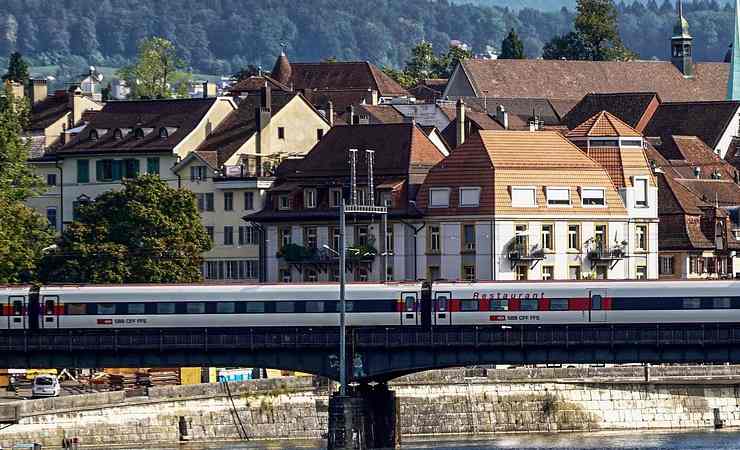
48,311
442,314
409,307
17,306
426,307
597,311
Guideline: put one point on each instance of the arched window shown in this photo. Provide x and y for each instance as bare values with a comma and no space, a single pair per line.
163,133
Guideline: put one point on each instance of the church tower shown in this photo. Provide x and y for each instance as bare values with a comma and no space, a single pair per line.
681,45
733,85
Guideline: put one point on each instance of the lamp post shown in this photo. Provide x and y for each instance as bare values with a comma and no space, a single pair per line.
342,303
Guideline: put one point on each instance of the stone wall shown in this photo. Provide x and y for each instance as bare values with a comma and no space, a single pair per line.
442,402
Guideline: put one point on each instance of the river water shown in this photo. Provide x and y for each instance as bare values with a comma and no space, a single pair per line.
644,440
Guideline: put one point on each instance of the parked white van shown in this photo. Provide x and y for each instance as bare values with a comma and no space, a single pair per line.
45,386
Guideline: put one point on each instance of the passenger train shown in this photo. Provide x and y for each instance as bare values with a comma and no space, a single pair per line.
525,303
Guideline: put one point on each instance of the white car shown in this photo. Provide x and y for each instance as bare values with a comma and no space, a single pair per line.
45,386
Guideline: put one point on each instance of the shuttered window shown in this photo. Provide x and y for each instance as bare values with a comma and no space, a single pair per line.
523,196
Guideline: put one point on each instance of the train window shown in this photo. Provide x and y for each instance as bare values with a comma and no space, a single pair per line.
349,306
409,303
17,307
529,304
441,303
469,305
721,303
314,307
225,308
195,308
76,309
106,308
596,302
691,303
499,305
558,304
285,307
165,308
136,308
49,307
255,307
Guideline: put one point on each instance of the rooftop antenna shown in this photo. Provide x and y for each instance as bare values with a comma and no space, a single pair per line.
370,155
353,174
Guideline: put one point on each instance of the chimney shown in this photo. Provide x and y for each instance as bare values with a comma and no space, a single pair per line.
15,88
39,90
330,113
209,89
263,115
460,122
697,172
351,116
75,102
372,97
502,116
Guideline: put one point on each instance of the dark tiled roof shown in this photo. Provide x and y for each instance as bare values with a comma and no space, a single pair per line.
706,120
631,108
181,116
558,79
48,111
255,83
474,121
429,90
685,153
282,70
399,149
522,107
341,99
343,76
375,113
240,125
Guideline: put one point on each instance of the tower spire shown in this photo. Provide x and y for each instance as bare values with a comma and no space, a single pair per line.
733,85
681,44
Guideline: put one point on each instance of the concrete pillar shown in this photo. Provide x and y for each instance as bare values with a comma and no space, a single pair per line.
365,419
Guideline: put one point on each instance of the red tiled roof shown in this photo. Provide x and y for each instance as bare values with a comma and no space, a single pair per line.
685,153
49,110
603,124
610,158
255,83
559,79
343,76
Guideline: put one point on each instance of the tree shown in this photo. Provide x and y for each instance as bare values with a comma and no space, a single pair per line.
512,47
246,72
148,232
23,233
155,71
596,36
422,62
17,69
425,64
445,64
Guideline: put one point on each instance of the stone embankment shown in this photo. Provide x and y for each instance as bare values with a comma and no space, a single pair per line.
431,403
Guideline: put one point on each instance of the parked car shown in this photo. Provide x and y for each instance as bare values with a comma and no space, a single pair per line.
45,386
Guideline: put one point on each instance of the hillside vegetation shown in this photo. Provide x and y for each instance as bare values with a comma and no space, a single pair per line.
222,36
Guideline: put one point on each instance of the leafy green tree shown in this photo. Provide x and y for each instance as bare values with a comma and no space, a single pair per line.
422,63
148,232
23,233
17,69
156,71
400,76
568,46
246,72
512,47
445,64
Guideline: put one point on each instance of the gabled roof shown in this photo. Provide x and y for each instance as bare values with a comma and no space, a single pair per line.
707,120
524,108
240,125
603,124
179,117
399,149
685,153
560,79
375,114
633,108
49,110
255,83
342,76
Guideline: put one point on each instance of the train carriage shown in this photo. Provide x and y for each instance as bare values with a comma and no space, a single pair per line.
14,307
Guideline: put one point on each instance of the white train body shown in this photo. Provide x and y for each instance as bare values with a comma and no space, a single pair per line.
391,304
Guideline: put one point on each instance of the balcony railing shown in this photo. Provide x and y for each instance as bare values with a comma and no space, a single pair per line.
603,254
299,254
519,252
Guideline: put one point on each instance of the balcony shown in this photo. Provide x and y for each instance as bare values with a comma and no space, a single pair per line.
600,254
519,252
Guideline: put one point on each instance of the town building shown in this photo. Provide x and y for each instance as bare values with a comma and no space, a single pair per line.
234,166
510,205
301,211
699,201
678,80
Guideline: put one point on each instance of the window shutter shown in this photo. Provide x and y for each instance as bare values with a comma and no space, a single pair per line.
98,170
137,165
117,169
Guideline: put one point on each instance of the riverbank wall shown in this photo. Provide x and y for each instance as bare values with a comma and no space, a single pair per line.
472,401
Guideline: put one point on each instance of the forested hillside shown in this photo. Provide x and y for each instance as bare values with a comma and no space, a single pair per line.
221,36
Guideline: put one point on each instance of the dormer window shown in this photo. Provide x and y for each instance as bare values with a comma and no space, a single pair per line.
593,196
558,196
139,133
93,135
163,134
283,202
641,192
117,134
309,198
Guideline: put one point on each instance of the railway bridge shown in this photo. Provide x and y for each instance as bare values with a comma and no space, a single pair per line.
367,418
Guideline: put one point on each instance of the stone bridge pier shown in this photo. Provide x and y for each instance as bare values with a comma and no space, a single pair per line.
367,418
